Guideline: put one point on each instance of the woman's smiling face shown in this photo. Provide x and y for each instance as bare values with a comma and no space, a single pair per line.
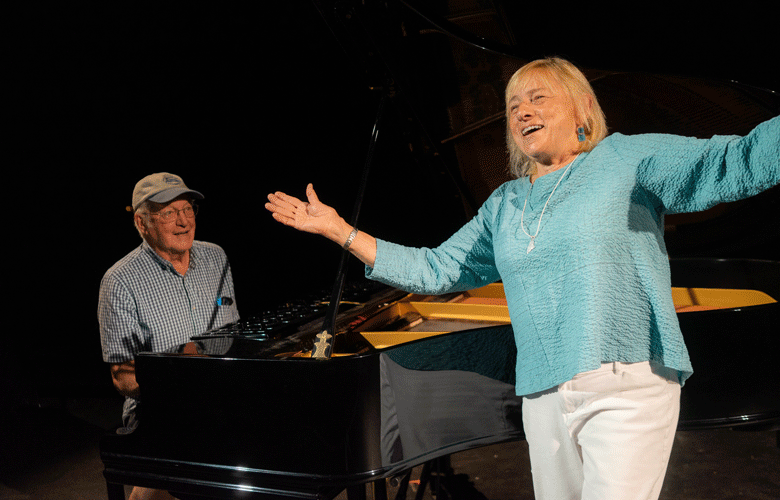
542,120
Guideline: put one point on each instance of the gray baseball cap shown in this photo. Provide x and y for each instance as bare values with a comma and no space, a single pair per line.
161,187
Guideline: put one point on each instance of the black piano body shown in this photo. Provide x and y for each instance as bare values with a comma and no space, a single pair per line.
371,411
727,389
240,413
412,378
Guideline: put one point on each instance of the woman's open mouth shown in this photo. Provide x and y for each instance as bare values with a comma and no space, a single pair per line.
531,129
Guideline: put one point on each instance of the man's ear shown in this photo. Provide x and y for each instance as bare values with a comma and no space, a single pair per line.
140,223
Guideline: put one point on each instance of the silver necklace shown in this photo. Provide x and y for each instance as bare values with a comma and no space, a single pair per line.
531,244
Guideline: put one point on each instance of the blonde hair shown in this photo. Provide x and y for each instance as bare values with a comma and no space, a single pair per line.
557,71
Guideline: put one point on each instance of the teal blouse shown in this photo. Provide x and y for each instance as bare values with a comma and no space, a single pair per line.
596,287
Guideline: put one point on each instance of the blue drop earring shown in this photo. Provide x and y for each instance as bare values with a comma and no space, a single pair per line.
581,134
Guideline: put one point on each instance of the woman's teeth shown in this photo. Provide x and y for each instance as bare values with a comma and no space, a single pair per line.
532,128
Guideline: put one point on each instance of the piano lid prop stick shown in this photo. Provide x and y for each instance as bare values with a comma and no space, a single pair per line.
323,348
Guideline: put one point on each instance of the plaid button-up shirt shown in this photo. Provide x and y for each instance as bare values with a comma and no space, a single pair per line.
145,305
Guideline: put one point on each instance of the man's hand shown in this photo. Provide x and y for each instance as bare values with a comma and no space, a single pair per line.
123,375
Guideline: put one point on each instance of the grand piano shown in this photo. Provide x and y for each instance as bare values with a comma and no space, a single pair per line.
363,383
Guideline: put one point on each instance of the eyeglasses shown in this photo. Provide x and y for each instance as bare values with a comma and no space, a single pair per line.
172,214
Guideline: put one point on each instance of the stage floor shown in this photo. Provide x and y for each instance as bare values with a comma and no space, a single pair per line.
50,451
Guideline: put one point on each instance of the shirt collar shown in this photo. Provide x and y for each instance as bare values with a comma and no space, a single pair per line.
165,264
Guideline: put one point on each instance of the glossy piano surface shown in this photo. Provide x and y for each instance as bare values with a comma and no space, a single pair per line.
403,386
727,388
412,378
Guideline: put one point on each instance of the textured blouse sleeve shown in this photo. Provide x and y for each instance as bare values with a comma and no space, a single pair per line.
688,174
465,261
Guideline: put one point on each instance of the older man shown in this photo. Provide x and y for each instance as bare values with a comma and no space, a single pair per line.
165,291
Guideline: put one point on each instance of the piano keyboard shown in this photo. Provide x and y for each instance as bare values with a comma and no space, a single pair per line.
286,318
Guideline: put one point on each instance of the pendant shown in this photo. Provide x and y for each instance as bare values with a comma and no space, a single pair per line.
531,246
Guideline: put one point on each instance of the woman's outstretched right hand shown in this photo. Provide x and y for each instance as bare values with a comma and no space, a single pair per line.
311,216
315,217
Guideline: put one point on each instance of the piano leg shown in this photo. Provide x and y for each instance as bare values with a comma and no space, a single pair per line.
358,492
424,477
115,491
438,471
380,489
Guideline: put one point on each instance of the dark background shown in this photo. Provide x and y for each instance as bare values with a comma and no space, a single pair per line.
241,101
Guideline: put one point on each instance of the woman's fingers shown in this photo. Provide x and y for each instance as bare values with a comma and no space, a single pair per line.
283,207
284,201
311,195
312,216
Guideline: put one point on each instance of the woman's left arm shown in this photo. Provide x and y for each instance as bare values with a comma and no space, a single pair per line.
690,175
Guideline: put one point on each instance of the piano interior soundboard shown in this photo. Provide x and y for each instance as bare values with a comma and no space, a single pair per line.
487,306
381,318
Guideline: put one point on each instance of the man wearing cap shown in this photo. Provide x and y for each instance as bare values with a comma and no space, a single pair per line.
165,291
162,293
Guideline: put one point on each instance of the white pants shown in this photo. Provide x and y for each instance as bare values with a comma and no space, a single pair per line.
605,434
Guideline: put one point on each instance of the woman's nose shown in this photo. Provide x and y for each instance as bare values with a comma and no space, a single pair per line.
523,111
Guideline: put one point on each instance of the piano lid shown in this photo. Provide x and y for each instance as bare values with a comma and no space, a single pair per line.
445,64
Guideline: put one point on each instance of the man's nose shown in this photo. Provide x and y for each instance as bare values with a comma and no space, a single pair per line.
181,219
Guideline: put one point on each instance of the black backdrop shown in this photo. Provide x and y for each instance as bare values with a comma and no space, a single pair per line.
240,101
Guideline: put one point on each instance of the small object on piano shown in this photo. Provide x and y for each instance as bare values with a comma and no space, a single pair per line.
321,345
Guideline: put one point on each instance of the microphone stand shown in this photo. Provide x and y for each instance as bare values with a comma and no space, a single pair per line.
323,347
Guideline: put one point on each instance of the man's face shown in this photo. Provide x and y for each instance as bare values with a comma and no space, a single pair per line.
171,238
